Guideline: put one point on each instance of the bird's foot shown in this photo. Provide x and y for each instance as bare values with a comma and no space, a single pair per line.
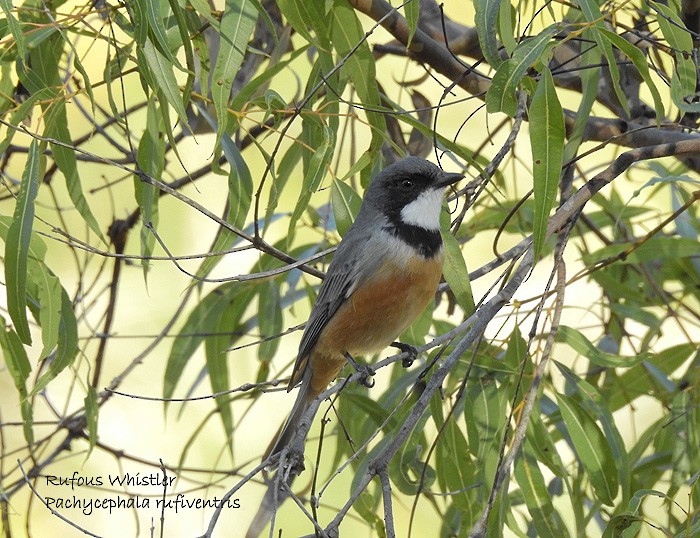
406,348
366,371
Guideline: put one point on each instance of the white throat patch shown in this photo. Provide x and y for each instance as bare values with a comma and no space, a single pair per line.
424,211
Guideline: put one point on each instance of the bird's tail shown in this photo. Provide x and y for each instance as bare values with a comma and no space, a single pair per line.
272,499
285,434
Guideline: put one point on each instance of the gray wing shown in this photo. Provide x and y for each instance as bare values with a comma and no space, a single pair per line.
344,273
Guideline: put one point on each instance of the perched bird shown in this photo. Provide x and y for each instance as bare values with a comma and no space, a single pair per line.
385,271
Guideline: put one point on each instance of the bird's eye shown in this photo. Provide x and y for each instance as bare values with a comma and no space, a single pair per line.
406,184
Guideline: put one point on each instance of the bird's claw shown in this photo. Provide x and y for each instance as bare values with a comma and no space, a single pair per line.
406,348
365,370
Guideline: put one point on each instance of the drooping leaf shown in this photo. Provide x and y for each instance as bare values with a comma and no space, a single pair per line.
287,166
346,204
162,79
640,62
270,319
501,94
151,160
48,292
451,473
204,323
156,28
66,345
237,24
240,197
585,347
595,404
346,33
684,76
456,273
15,27
63,154
485,19
592,13
199,323
547,143
637,382
215,346
545,519
17,244
18,365
589,94
313,176
92,411
411,11
592,449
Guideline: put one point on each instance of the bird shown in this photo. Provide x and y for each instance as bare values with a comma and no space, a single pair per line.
385,271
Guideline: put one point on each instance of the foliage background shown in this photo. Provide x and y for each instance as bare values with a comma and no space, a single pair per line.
163,164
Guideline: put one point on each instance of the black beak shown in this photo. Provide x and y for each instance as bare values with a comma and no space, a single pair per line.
448,179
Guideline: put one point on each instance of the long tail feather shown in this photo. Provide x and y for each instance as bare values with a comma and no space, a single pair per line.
273,499
288,429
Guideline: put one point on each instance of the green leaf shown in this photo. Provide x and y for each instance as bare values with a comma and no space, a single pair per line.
313,176
500,96
20,115
204,9
640,62
592,13
585,347
300,13
506,30
485,420
485,18
15,27
270,316
199,323
589,94
346,205
187,45
684,79
592,449
546,520
285,170
637,382
67,343
63,154
516,353
547,143
237,24
49,295
152,9
92,410
17,244
217,361
346,33
455,269
163,79
18,365
596,405
543,446
151,160
451,472
620,523
229,300
656,248
411,11
240,197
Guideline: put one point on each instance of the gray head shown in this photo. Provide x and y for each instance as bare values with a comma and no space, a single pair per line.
410,192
